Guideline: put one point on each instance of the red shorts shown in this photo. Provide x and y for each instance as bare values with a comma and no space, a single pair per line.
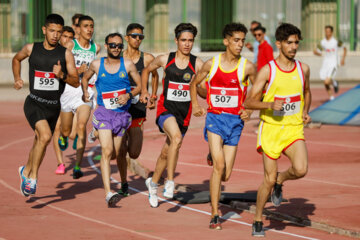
137,122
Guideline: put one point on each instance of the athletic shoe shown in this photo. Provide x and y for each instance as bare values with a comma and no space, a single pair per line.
124,189
112,199
209,160
30,187
60,169
336,86
276,196
169,189
258,230
91,136
215,223
23,181
153,199
332,98
63,143
75,142
77,173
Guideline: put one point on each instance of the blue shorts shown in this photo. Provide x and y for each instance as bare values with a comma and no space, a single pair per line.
161,120
227,126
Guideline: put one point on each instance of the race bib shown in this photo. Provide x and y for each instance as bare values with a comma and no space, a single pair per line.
291,105
110,98
178,92
45,81
224,97
136,98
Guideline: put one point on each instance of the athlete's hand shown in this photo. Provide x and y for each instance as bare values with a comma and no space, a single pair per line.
277,104
248,45
82,68
86,96
144,97
123,99
151,103
198,111
306,118
245,114
57,70
18,84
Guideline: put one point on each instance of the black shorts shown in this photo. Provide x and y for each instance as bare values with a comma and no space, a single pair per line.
36,111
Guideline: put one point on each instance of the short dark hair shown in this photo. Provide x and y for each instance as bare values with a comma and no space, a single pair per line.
256,22
185,27
261,28
76,16
233,27
132,26
54,18
330,27
111,35
68,29
84,18
285,30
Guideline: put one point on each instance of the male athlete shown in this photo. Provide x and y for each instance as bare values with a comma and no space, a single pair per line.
50,67
133,140
114,95
284,111
174,106
226,80
330,60
67,35
84,51
75,24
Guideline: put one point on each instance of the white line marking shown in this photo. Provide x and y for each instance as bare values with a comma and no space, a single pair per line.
83,217
91,163
15,142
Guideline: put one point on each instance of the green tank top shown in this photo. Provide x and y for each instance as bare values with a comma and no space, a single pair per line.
83,55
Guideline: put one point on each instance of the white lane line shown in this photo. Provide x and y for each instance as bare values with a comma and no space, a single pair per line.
91,163
15,142
83,217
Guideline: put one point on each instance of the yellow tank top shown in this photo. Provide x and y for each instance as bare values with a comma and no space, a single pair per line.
289,86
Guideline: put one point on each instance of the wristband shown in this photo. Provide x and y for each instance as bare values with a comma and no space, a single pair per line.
154,97
130,95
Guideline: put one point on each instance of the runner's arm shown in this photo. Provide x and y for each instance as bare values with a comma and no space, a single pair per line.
250,73
200,87
307,94
72,77
134,75
154,80
87,76
98,48
16,65
253,101
199,77
342,63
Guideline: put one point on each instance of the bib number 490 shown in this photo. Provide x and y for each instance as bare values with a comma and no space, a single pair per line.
180,93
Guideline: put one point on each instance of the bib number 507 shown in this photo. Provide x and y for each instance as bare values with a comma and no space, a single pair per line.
222,99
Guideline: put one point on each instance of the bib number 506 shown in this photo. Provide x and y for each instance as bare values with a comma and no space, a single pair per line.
288,107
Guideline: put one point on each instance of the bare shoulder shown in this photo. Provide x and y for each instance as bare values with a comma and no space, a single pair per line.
249,65
70,45
305,68
148,58
28,48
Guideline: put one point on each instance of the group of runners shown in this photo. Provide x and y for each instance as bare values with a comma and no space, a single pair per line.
61,80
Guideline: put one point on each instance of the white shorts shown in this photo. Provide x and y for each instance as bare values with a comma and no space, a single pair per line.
71,99
327,72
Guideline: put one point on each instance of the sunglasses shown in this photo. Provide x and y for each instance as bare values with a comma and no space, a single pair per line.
114,45
258,35
135,35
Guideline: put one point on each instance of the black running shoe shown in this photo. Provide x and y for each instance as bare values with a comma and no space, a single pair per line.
276,196
336,86
209,160
215,223
257,229
77,173
124,189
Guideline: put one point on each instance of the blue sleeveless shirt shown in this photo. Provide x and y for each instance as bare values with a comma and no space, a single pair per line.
111,85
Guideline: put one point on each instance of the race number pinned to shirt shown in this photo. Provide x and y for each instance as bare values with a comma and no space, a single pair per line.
136,98
110,99
224,97
291,105
178,92
45,81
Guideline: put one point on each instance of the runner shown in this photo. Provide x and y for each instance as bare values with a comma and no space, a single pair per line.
330,61
50,67
284,110
265,51
174,106
227,78
111,118
67,35
84,51
75,24
133,139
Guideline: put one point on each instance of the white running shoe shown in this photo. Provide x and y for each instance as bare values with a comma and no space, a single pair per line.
169,189
91,136
153,199
112,199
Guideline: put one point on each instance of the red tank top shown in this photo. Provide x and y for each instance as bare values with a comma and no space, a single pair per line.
226,90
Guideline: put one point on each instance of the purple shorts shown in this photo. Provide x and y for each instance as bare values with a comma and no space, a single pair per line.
117,122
